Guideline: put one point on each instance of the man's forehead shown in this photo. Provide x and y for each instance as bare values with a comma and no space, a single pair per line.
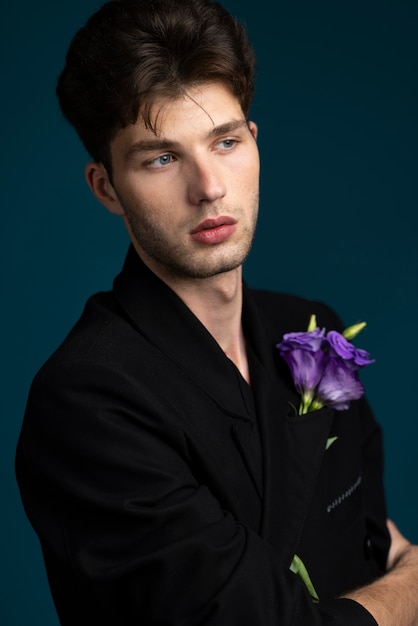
203,111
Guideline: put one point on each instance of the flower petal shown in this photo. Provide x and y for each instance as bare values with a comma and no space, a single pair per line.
310,340
339,385
307,368
339,346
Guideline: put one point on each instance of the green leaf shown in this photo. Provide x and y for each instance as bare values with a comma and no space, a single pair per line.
297,567
330,441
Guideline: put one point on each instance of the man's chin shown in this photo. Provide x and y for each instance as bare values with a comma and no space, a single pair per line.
194,265
206,270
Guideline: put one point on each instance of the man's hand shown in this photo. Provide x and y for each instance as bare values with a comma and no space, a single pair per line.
398,547
393,598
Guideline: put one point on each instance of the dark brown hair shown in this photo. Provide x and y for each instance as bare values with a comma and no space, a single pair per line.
132,52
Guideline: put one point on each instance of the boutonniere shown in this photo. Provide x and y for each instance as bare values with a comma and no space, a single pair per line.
324,368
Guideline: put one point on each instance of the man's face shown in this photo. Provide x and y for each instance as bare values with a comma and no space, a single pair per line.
189,192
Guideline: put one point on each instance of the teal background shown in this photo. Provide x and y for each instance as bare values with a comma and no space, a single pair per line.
336,106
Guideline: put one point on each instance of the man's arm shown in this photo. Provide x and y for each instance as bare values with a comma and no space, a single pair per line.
393,599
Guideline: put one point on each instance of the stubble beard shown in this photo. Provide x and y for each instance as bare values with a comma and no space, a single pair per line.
176,259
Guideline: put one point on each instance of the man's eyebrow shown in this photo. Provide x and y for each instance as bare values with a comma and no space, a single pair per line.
228,127
157,144
150,145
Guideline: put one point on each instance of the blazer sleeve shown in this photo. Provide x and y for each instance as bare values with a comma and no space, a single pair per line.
129,533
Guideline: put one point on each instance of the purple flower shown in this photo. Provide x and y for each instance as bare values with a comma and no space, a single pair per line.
306,359
304,356
324,368
306,367
340,347
339,385
310,340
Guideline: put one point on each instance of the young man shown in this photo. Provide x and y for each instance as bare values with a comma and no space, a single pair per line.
160,462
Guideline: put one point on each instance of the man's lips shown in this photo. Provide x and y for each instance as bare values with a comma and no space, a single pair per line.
214,230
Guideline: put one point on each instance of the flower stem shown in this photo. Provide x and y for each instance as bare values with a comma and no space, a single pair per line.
297,567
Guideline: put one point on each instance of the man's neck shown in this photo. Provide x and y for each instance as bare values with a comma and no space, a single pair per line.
217,303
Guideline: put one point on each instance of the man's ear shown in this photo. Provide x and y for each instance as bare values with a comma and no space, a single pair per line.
253,128
98,180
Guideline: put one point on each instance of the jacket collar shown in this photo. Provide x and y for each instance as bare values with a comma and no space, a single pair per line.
167,323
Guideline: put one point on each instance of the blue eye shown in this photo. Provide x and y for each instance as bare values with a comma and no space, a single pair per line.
161,161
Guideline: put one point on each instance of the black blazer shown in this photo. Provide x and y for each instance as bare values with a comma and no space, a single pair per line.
165,490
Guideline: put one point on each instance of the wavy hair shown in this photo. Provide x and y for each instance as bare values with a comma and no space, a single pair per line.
132,52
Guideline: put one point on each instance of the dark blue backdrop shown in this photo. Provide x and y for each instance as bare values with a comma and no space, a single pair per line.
337,109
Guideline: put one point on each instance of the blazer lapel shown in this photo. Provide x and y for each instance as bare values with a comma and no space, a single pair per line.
247,440
167,323
293,446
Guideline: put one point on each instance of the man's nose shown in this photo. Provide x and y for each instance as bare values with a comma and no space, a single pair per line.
206,182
